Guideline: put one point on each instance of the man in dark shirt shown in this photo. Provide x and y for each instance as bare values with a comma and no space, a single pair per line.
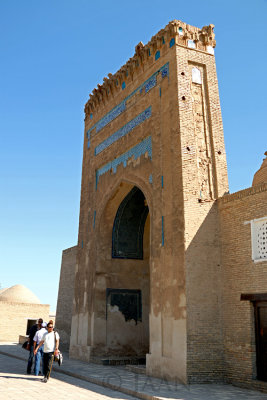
32,332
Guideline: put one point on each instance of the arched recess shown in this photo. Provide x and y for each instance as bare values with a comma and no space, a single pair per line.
128,227
122,284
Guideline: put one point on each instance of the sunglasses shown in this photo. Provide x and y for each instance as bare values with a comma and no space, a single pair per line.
50,326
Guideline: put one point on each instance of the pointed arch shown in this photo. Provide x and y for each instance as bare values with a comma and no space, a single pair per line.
128,227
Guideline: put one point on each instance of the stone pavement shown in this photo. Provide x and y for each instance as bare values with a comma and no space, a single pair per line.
15,385
75,376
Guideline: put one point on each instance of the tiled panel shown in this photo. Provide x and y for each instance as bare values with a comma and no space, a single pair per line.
162,231
165,70
120,108
136,151
172,42
94,219
110,116
150,83
124,130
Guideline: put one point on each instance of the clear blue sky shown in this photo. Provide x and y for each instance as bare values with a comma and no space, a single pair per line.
53,53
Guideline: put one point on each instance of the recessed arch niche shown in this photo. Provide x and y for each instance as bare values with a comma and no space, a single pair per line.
122,282
128,227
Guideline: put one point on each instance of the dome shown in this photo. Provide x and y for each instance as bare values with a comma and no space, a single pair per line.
261,175
18,294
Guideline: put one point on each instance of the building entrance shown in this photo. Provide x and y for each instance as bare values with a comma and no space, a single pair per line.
261,339
122,288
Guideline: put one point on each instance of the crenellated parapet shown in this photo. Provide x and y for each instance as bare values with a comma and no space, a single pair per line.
175,33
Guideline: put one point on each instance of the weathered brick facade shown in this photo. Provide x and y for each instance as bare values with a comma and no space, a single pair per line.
154,275
240,275
65,296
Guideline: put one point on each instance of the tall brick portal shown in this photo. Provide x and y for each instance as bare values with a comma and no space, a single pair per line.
149,280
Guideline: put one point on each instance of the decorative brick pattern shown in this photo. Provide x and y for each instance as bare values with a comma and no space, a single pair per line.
136,151
124,130
259,239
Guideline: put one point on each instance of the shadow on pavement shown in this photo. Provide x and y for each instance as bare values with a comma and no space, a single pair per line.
18,367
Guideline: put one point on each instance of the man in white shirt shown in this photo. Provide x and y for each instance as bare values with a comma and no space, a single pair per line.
50,341
39,355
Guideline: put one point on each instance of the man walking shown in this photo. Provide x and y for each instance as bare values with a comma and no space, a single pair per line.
32,332
39,355
50,341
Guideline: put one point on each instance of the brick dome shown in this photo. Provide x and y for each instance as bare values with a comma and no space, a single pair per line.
261,175
18,294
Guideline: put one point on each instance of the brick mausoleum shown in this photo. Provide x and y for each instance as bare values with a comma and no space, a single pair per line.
169,267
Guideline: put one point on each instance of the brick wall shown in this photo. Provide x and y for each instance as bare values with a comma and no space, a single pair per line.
14,318
204,178
65,296
240,275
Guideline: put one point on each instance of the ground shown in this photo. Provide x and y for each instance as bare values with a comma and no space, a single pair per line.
16,385
77,379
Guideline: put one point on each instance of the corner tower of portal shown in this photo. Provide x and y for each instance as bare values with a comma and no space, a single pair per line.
153,127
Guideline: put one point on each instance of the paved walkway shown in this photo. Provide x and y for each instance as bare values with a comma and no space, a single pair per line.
78,374
15,385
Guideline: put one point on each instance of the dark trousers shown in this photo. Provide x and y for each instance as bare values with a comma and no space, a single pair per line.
48,361
30,360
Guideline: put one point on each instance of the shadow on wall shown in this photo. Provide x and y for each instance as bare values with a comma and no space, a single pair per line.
204,289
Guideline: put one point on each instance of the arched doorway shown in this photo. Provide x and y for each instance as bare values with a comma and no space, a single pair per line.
122,289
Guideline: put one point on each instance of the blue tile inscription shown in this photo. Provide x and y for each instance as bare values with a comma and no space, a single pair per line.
124,130
120,108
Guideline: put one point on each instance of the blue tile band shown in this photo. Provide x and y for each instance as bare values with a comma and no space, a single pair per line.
162,231
120,108
150,83
162,181
111,115
150,179
136,151
124,130
94,219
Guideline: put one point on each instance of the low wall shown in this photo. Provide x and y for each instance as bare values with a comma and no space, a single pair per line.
14,318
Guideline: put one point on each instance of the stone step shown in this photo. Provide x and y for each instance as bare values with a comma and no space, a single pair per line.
118,360
137,369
